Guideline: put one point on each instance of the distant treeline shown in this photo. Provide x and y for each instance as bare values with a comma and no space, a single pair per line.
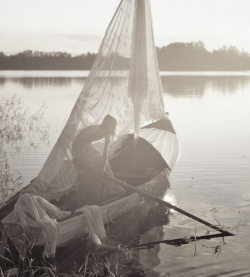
194,56
176,56
37,60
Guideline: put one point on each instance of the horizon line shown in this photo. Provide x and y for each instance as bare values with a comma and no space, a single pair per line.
74,53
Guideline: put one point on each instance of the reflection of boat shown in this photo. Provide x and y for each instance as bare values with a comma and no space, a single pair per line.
135,99
136,226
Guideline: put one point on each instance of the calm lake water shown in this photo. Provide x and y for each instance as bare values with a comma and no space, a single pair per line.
210,112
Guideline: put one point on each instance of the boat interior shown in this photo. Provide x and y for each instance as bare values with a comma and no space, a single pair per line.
136,161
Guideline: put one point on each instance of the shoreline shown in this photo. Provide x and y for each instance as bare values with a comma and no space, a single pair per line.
84,73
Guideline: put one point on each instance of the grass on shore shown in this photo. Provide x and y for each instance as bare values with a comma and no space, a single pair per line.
93,263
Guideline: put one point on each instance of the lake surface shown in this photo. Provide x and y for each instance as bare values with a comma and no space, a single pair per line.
211,114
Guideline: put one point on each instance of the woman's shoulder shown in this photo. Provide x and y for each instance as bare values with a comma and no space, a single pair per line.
89,130
88,134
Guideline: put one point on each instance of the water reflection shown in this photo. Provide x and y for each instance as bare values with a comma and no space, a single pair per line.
196,86
180,241
138,227
41,82
144,261
2,81
174,85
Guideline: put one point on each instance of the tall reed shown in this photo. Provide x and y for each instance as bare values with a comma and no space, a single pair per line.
18,126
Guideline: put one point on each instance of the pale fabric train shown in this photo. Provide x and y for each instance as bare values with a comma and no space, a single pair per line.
33,211
123,82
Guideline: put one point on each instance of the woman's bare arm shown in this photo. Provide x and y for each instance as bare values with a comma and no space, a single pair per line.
105,151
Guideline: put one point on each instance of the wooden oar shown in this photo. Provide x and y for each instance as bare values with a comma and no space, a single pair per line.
164,203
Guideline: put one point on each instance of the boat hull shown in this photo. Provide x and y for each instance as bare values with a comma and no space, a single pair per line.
76,226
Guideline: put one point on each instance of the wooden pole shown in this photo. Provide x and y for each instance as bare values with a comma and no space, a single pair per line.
166,204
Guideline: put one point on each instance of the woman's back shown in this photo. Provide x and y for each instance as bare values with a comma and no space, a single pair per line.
85,139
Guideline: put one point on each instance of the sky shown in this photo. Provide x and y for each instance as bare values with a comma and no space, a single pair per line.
77,26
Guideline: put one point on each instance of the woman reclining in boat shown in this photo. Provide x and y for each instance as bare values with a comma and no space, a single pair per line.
96,182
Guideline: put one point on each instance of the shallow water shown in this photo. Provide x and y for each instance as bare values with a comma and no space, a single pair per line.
210,112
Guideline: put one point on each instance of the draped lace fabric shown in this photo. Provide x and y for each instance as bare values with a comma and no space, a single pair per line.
94,220
35,214
123,82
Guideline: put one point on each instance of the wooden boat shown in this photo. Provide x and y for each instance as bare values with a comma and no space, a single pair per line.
156,183
71,229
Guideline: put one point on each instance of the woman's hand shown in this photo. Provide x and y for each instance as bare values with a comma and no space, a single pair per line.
60,215
52,210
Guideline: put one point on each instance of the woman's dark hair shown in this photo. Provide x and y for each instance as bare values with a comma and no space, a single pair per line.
110,120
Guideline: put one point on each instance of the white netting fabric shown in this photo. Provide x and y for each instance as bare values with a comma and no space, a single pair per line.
123,82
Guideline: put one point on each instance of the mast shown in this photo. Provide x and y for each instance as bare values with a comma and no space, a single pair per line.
138,79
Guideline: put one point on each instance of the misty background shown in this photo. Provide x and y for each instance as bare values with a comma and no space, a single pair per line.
177,56
78,26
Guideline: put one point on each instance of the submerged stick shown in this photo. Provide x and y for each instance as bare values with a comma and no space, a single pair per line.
166,204
179,241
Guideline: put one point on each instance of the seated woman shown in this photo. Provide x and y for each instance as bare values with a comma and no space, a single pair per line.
96,182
